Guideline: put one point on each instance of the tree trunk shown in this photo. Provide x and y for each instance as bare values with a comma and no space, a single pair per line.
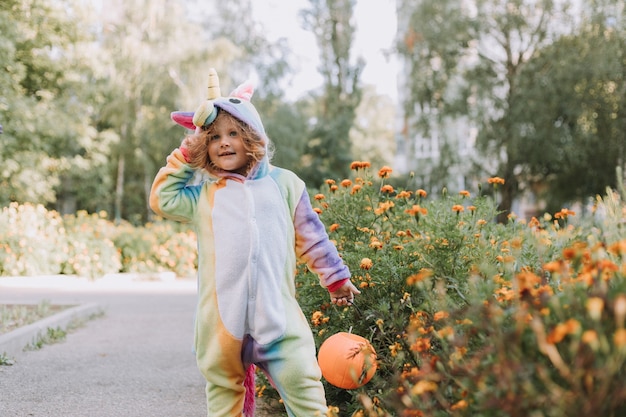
119,188
507,193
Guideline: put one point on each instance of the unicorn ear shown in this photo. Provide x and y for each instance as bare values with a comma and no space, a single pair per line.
244,91
183,118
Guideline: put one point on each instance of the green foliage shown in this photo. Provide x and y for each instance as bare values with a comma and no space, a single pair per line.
43,92
157,247
540,82
35,241
13,316
91,250
328,150
52,335
472,317
574,98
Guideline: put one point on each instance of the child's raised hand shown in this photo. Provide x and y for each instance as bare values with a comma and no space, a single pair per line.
184,148
185,143
345,294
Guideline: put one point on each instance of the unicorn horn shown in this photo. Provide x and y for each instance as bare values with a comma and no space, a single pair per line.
205,110
214,85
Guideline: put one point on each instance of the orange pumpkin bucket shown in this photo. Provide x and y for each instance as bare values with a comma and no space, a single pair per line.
347,360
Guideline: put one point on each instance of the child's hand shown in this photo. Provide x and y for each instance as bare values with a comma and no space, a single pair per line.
184,148
344,295
185,143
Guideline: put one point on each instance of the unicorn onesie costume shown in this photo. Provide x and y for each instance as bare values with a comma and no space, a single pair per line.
251,231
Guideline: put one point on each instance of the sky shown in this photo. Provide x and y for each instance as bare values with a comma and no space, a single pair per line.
375,33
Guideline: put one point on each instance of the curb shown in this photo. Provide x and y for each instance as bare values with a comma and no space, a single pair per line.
12,344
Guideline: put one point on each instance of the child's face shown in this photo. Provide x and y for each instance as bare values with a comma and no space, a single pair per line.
226,149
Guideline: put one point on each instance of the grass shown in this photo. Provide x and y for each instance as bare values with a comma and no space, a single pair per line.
13,316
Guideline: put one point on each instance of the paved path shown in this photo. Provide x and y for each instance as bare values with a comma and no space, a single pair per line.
135,361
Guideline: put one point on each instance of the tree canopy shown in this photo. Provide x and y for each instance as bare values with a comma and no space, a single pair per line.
539,80
86,93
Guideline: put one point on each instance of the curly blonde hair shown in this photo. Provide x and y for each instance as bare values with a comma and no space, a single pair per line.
197,145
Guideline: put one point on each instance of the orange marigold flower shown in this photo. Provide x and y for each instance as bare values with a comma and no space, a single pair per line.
404,194
495,180
527,280
384,172
557,334
419,277
464,193
534,222
569,253
422,344
471,208
618,248
619,309
346,183
440,315
619,338
446,332
330,182
364,284
366,263
458,208
356,165
333,227
376,244
383,207
564,213
320,196
395,348
355,189
459,405
416,210
421,193
423,387
590,337
573,326
317,210
595,305
333,188
387,189
316,318
504,294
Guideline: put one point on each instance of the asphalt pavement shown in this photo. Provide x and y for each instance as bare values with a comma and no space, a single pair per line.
134,360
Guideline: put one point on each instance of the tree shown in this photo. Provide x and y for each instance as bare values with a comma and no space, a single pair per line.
44,83
465,61
572,128
372,136
328,150
155,67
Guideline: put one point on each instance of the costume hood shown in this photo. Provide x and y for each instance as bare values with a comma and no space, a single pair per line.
237,104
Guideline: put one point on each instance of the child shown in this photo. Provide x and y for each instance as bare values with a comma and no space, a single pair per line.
253,221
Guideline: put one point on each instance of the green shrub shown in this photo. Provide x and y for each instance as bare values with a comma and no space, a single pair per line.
32,241
91,251
37,241
455,304
157,247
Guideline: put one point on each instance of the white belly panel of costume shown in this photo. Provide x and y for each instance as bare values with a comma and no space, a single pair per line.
251,225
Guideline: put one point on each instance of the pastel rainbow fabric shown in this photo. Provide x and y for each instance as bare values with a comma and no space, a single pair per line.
251,232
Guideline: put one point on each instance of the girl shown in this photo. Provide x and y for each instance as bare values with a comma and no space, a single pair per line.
253,222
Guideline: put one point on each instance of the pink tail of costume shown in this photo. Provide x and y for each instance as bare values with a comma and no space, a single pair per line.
249,403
